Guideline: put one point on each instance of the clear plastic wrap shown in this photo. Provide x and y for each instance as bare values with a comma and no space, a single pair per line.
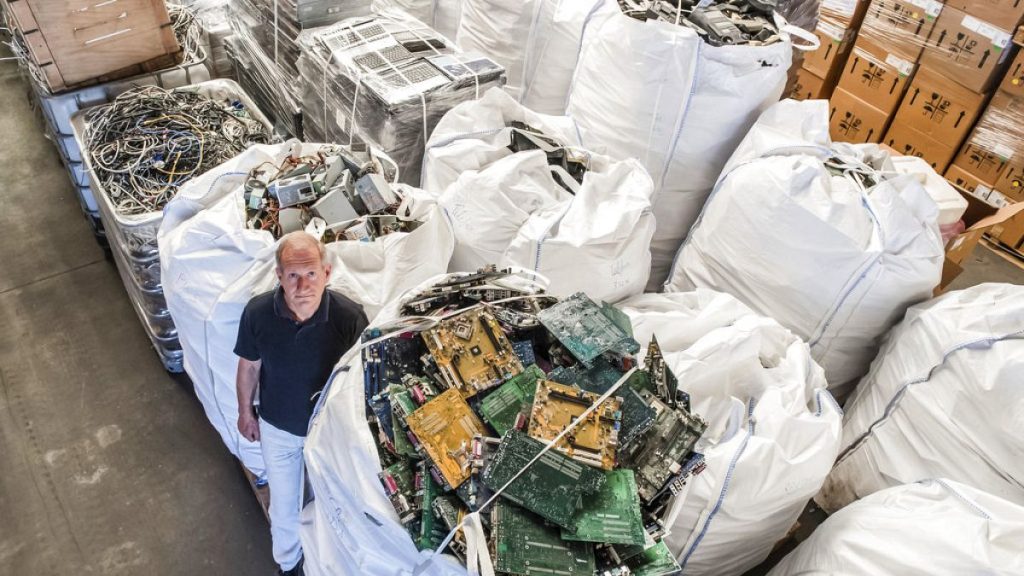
132,237
386,80
264,50
441,15
1000,131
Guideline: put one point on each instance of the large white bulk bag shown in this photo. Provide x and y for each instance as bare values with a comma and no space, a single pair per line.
806,244
944,398
773,431
507,208
441,15
212,265
655,91
537,41
932,528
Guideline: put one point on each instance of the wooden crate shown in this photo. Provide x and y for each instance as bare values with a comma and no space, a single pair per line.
75,43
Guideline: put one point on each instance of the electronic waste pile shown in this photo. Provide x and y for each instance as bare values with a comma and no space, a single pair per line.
493,398
140,149
338,194
386,80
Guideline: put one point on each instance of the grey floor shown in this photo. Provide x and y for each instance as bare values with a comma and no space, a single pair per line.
107,463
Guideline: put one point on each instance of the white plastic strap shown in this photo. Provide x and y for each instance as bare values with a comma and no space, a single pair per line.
812,41
478,557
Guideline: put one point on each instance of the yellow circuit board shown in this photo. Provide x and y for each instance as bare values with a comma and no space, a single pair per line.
445,427
594,441
472,352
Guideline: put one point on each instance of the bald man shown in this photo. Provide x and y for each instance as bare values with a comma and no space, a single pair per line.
288,342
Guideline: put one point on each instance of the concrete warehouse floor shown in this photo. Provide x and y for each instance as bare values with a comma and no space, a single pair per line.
107,462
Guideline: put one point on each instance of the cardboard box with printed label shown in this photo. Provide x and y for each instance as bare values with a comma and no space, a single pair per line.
843,13
982,163
1011,182
902,26
964,179
966,49
854,120
876,75
1005,14
939,108
911,142
826,61
1013,80
808,86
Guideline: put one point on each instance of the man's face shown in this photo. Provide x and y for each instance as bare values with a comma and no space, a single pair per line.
303,277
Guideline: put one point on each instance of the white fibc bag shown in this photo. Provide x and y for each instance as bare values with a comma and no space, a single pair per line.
944,398
795,230
655,91
212,265
930,528
537,41
508,208
773,428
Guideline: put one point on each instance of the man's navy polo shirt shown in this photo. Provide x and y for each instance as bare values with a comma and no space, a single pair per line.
297,357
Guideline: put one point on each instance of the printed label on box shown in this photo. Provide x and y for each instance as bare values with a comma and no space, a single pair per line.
931,7
1003,151
832,31
999,38
844,7
996,198
904,67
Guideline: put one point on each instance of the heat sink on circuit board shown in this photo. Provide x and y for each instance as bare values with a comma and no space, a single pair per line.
552,487
655,560
637,416
588,330
522,544
612,515
592,441
472,352
661,452
445,427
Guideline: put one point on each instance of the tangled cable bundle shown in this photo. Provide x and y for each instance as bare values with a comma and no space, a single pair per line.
188,31
149,141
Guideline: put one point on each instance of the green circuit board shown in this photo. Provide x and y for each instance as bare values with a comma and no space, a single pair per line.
587,330
553,487
523,545
655,561
502,407
612,515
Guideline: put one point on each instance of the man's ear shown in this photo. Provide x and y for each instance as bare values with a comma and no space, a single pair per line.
279,272
327,271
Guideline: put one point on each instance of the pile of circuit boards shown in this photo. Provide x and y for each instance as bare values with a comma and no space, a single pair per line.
718,22
467,391
336,193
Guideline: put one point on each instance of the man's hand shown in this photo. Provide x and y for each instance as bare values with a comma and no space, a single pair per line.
249,425
247,382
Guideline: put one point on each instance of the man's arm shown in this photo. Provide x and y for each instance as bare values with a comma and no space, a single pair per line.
247,381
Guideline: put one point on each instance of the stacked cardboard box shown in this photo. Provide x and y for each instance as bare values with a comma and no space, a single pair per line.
990,165
836,31
880,67
963,57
